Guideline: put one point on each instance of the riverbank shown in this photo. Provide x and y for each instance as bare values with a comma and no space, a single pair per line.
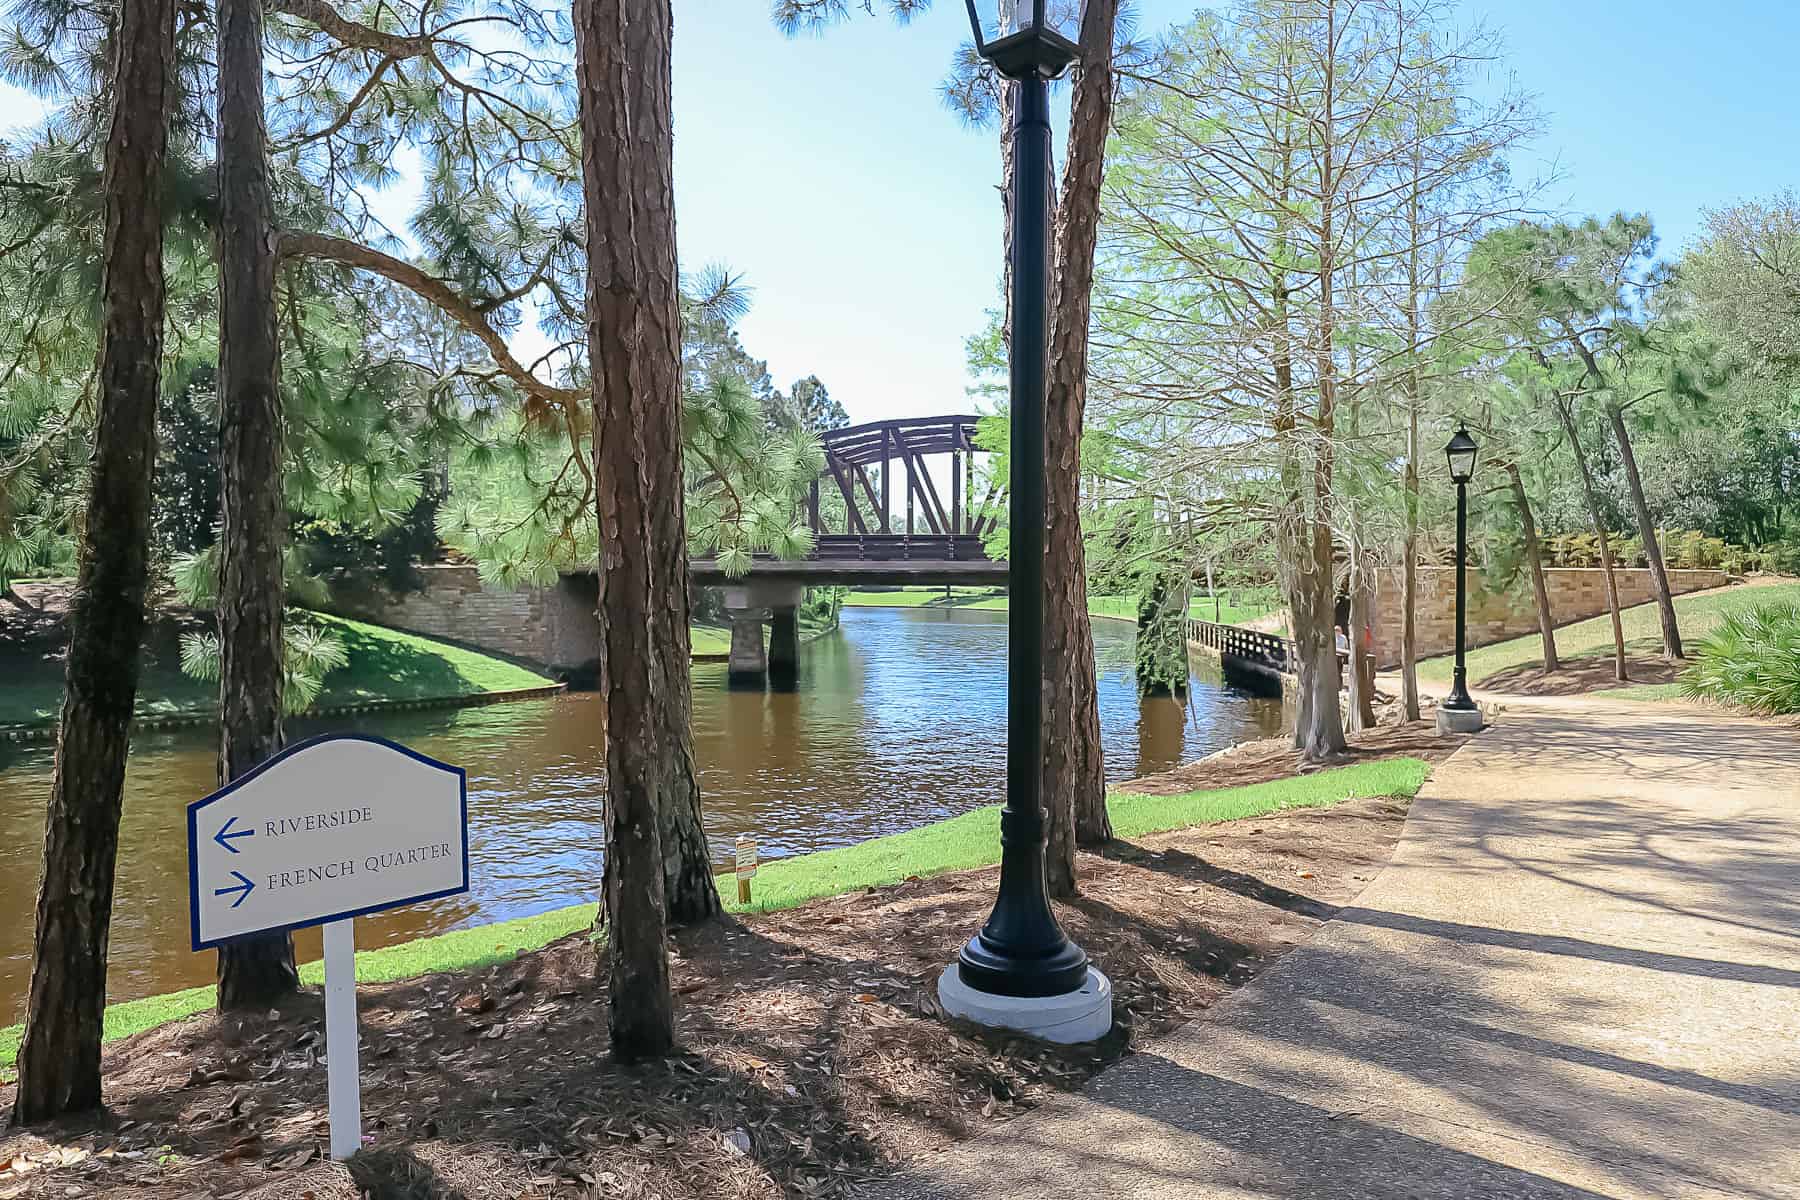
814,1055
386,669
960,843
1585,648
1117,608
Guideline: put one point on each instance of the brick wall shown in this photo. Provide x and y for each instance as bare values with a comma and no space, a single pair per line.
552,628
1576,593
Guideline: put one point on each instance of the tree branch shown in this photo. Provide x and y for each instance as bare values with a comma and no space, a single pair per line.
323,247
353,33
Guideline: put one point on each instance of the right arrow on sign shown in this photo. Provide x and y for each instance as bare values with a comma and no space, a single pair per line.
244,888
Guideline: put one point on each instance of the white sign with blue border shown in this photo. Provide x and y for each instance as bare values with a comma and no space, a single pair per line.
330,828
325,831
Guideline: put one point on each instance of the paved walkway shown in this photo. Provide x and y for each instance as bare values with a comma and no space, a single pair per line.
1579,976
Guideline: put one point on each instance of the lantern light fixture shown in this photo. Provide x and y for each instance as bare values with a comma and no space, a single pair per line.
1033,48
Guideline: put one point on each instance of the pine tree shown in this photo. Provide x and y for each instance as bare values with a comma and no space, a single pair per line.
59,1056
634,347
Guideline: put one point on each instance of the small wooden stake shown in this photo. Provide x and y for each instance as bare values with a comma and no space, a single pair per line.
745,861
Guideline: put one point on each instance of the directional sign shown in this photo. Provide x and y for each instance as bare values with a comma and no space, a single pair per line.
329,828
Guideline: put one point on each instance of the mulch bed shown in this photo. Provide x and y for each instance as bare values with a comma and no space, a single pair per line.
1273,758
1581,675
814,1056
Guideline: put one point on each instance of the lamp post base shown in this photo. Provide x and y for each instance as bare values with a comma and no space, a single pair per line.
1084,1015
1458,720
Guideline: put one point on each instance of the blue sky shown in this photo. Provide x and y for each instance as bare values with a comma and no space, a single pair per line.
866,220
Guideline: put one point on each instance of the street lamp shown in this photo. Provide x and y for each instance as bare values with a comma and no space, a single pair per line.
1021,971
1460,453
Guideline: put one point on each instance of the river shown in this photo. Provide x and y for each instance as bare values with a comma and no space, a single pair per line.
898,720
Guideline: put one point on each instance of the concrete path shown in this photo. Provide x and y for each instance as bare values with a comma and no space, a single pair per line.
1579,976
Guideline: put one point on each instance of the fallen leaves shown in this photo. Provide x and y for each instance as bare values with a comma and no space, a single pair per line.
815,1054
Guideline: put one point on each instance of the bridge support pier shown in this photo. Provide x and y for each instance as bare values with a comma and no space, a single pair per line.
749,604
784,648
748,666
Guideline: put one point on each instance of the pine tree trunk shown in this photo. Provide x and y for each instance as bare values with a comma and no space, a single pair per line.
1659,576
257,971
634,352
1535,557
1074,778
1567,418
59,1058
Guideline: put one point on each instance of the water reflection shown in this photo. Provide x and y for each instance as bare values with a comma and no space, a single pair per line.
899,719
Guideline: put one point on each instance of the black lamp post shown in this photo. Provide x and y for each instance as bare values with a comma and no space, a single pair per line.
1461,452
1021,951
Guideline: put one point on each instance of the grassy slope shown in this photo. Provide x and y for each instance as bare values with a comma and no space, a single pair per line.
960,843
710,640
34,689
714,641
992,600
1697,614
972,840
385,664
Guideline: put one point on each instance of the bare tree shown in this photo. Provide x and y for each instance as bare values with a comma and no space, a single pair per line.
1534,559
1566,414
1287,188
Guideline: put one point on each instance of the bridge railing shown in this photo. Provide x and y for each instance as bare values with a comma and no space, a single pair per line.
899,547
1268,650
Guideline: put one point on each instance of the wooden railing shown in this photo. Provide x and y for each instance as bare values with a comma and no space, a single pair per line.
898,547
1252,647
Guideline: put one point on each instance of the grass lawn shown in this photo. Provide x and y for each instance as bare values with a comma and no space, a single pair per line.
972,840
958,844
994,600
34,689
1643,691
712,640
1697,614
385,664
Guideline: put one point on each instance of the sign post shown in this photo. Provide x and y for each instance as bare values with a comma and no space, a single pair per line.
343,1082
745,862
320,834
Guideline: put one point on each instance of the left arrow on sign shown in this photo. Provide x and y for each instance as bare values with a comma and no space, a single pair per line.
225,836
244,888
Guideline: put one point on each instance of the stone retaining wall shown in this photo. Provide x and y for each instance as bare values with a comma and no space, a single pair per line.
1576,593
554,629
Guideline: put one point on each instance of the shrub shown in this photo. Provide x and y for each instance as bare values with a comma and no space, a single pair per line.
1682,549
1689,548
1752,660
1783,558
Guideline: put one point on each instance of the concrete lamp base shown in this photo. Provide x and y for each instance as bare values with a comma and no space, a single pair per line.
1082,1016
1458,720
